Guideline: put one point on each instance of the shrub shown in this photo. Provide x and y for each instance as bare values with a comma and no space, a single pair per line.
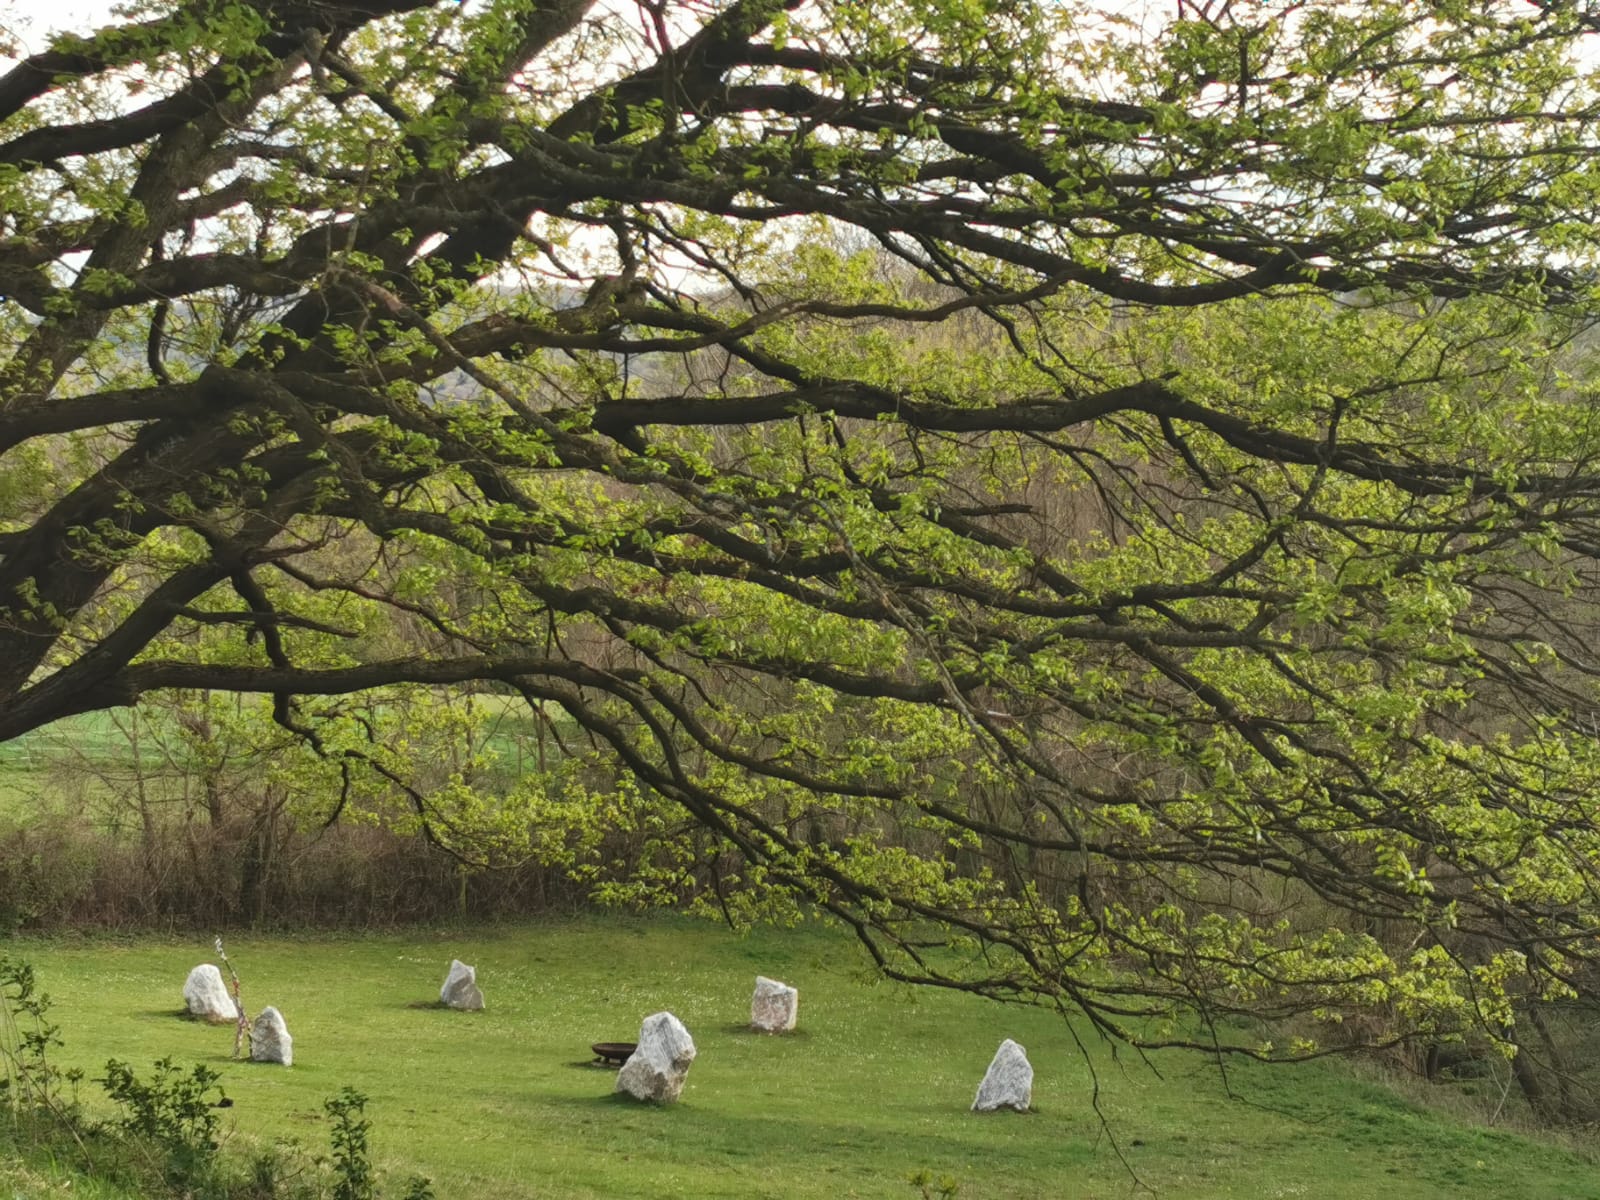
172,1113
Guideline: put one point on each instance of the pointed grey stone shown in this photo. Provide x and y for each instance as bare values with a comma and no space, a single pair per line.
206,996
657,1069
269,1039
460,988
1008,1083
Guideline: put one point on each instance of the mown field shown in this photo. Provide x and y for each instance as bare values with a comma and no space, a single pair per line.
873,1087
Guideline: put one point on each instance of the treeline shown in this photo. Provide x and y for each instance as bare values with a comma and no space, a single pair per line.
61,872
202,813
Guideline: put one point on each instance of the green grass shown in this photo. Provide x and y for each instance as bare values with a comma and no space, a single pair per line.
95,737
875,1085
82,764
21,1180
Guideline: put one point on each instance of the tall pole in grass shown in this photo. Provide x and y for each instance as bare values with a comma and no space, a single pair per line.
241,1027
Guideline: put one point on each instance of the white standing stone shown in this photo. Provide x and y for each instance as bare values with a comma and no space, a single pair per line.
269,1039
1008,1083
206,996
774,1007
460,988
657,1069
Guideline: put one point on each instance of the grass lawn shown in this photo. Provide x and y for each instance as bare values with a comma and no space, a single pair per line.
874,1085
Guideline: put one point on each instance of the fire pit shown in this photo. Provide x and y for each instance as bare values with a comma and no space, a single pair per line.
613,1054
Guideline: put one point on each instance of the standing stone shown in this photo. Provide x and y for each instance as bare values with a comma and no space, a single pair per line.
206,996
269,1039
657,1069
774,1007
1008,1083
460,988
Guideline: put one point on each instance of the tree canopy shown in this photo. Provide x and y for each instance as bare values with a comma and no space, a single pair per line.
1105,502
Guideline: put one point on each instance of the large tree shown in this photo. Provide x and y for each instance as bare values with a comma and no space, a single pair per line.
1116,487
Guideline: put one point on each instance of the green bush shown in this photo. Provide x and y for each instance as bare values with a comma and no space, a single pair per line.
352,1162
31,1081
172,1113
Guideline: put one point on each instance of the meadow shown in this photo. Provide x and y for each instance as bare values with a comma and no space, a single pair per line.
873,1088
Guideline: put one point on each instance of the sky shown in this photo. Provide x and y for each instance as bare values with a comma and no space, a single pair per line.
29,23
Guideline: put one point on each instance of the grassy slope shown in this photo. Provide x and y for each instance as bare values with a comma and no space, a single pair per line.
875,1084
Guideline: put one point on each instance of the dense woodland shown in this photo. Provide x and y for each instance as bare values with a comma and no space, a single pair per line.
1101,500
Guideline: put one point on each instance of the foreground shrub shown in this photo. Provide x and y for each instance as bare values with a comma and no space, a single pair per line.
172,1113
